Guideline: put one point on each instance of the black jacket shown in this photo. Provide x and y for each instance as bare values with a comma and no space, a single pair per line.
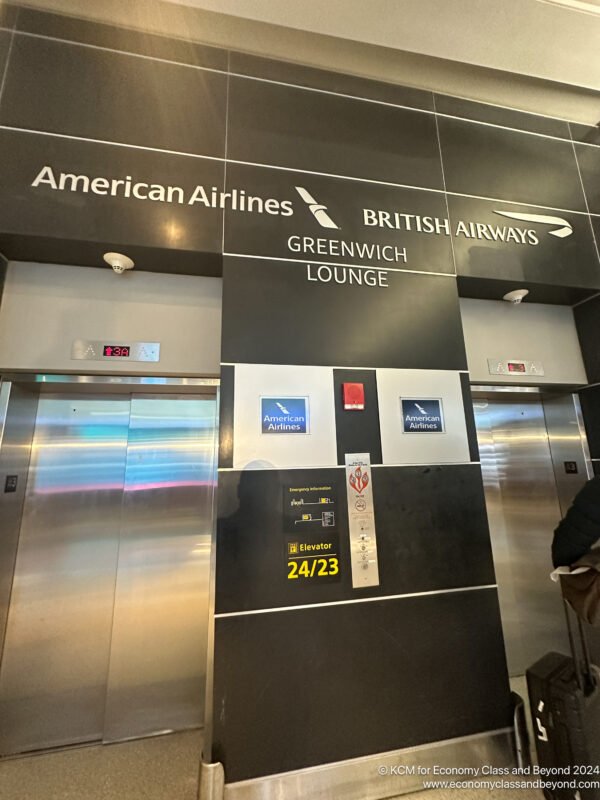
580,528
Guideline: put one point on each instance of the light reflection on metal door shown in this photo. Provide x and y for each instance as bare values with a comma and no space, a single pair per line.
158,650
523,510
55,660
107,626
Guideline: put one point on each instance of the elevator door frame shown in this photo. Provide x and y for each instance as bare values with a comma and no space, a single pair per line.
34,385
565,439
548,396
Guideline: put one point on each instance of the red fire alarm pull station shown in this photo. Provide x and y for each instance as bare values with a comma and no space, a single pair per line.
354,396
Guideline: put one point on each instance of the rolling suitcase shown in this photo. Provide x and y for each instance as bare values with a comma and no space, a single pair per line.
564,694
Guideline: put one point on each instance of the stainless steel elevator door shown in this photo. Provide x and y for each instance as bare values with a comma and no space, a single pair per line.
107,625
523,510
158,653
55,659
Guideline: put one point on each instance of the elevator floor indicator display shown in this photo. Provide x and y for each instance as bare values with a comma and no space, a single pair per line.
422,415
284,415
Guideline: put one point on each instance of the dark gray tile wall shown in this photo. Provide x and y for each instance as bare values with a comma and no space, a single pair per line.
86,92
540,256
590,406
288,127
72,29
589,164
414,323
8,15
5,39
73,85
268,235
270,69
587,319
334,699
509,165
505,117
589,134
86,216
428,519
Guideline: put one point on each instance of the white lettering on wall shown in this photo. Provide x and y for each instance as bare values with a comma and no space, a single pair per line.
357,276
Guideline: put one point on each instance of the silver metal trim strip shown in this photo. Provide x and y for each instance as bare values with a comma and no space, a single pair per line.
383,598
207,740
372,777
583,436
439,144
507,387
71,137
105,49
7,62
317,262
585,200
587,299
118,380
5,387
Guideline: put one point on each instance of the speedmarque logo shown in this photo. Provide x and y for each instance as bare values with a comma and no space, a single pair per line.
562,232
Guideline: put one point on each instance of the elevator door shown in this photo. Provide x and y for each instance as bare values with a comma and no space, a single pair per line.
523,510
107,624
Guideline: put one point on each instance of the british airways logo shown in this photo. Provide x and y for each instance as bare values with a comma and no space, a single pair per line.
565,229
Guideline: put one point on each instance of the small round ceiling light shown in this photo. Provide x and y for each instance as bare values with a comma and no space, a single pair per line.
119,262
516,296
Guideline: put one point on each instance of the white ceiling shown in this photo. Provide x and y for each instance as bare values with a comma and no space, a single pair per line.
528,37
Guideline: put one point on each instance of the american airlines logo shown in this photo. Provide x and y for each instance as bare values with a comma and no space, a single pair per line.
318,211
428,418
281,415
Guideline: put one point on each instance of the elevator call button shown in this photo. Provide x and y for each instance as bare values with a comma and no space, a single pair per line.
10,484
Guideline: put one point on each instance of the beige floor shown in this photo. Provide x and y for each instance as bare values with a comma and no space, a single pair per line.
160,768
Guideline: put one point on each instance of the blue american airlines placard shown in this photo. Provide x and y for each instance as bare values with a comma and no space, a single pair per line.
284,414
422,416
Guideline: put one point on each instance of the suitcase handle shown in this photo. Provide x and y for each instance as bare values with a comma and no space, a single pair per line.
586,680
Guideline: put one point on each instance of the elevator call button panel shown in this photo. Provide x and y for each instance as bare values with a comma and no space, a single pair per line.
361,521
11,483
515,367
